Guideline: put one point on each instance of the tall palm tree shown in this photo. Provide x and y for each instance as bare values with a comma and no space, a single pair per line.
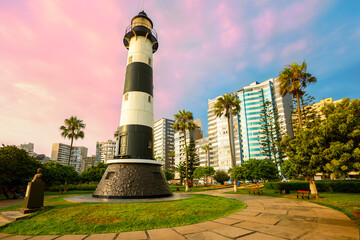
228,105
294,79
172,155
184,122
206,148
72,130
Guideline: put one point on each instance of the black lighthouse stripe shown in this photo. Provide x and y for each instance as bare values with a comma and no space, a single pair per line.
139,77
135,142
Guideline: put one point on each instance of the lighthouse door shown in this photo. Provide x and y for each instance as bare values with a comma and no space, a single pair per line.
122,145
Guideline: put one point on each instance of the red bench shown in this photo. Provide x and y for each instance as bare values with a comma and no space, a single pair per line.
302,194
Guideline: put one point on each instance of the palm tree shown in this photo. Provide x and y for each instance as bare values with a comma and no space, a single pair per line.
184,122
294,79
172,155
228,105
206,148
72,130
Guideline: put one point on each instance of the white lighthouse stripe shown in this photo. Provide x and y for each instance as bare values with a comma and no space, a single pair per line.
137,109
140,50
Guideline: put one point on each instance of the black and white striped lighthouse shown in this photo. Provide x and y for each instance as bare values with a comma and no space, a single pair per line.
134,173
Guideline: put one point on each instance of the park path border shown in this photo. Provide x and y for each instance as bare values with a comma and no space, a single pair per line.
265,218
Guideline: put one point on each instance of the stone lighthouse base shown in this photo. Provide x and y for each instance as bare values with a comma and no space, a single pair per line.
130,180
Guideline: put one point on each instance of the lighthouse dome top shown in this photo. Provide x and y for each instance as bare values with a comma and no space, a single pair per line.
142,19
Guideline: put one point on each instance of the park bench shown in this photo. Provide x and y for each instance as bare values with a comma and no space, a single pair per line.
255,190
302,194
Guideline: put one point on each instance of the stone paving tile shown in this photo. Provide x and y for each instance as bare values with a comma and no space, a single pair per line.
164,234
249,213
285,232
227,221
209,225
17,237
2,235
206,236
260,236
232,232
337,222
259,219
72,237
138,235
188,229
296,224
323,236
275,211
337,230
307,213
105,236
44,237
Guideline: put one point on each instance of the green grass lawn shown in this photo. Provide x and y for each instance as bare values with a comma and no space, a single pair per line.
62,217
343,202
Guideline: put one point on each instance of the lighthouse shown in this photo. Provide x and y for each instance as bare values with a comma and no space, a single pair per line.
134,173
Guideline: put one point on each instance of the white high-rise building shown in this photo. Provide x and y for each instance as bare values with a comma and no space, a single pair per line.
105,151
60,152
245,143
204,160
164,141
29,148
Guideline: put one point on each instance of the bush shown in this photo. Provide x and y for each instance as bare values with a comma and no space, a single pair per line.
74,187
343,186
221,176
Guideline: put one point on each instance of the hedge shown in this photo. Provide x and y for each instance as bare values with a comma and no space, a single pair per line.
344,186
74,187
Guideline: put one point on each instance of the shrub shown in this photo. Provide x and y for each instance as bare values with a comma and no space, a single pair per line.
344,186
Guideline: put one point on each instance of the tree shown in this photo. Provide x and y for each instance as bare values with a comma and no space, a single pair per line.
172,155
294,79
270,142
93,173
17,168
57,174
228,106
168,175
204,172
206,148
72,130
193,160
184,122
341,129
181,169
221,176
256,170
305,155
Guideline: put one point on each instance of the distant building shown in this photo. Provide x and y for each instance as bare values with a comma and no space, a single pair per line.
29,148
42,158
245,127
87,162
60,153
164,141
315,108
105,150
180,141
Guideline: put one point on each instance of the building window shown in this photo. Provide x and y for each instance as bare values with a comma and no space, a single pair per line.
130,59
149,61
149,144
149,99
126,97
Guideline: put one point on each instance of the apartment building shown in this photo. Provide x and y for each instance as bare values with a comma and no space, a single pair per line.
87,162
60,152
29,148
105,151
164,142
245,127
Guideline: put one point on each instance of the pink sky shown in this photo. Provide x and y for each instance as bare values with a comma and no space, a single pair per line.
62,57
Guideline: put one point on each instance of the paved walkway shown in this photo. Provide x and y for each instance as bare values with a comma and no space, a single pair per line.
265,218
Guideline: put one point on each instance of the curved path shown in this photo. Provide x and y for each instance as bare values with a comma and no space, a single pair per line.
265,218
